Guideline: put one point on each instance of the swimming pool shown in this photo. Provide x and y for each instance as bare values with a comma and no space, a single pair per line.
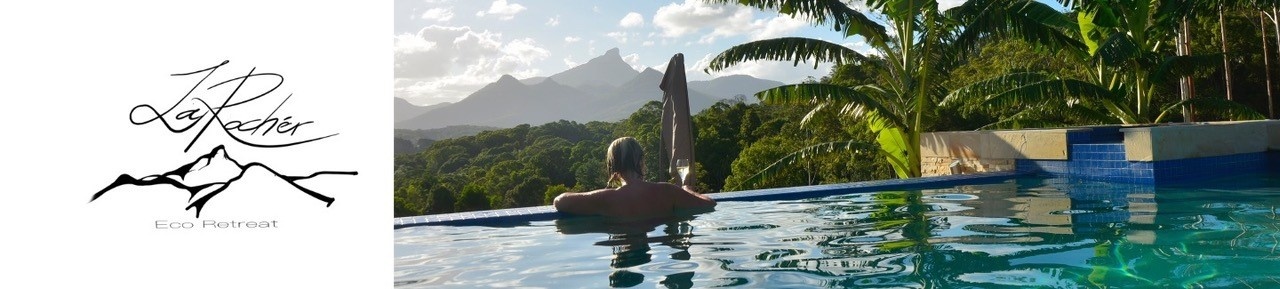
1029,231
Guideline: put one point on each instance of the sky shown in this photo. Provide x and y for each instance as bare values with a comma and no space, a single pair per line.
448,49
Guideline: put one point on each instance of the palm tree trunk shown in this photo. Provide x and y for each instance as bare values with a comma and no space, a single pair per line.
1266,63
1275,25
1226,61
1184,83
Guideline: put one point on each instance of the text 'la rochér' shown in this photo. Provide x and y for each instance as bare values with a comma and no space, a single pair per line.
211,106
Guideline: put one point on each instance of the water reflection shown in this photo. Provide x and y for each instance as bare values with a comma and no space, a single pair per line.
1033,232
1037,232
630,242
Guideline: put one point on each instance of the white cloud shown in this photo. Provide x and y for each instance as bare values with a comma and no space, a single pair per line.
409,44
862,47
634,60
571,39
663,67
595,9
632,20
948,4
676,20
526,50
569,62
647,43
502,10
438,14
554,21
619,36
442,63
777,27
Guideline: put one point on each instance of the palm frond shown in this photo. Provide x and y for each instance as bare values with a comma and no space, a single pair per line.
1055,89
1026,87
894,146
1029,20
1185,65
852,101
1117,49
901,10
795,49
1093,20
1053,114
1213,105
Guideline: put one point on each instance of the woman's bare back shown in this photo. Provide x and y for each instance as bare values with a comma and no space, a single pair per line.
636,199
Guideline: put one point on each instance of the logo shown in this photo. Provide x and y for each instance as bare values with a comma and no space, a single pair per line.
204,109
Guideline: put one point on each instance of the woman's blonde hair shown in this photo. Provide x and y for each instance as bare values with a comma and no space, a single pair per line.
625,155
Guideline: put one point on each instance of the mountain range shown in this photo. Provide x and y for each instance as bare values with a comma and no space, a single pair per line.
604,88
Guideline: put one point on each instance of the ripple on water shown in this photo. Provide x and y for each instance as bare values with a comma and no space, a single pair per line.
951,197
1071,212
857,240
1021,278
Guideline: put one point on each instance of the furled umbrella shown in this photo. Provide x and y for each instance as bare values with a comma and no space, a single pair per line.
677,130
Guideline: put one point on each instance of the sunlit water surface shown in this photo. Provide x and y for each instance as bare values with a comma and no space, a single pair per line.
1030,232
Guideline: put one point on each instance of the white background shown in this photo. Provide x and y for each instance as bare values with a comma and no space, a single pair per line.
70,71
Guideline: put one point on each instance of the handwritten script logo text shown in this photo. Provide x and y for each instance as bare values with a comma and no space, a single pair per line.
208,113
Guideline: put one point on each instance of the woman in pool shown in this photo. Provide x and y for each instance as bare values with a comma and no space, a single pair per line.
636,197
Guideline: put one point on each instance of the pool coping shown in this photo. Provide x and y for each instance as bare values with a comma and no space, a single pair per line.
544,213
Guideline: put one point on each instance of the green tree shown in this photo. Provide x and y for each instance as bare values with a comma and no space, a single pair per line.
1127,45
550,157
552,192
925,46
998,58
760,155
440,200
530,192
720,139
473,198
409,201
831,149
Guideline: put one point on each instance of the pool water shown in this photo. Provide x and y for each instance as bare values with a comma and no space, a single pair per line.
1026,232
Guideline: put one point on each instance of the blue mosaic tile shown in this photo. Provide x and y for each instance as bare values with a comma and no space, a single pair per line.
1106,161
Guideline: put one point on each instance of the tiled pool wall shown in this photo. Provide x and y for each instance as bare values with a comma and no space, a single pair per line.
1147,154
1099,154
520,216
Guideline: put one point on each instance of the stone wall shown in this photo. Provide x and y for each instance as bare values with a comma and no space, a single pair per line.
941,165
988,151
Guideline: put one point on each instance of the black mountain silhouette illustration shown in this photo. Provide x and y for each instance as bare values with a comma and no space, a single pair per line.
209,175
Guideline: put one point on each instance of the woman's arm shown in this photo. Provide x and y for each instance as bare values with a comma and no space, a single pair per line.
587,203
687,198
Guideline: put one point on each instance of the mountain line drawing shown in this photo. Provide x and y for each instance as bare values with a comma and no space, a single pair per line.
210,174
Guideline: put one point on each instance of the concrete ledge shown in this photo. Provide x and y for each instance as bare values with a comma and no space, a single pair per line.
1200,140
543,213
